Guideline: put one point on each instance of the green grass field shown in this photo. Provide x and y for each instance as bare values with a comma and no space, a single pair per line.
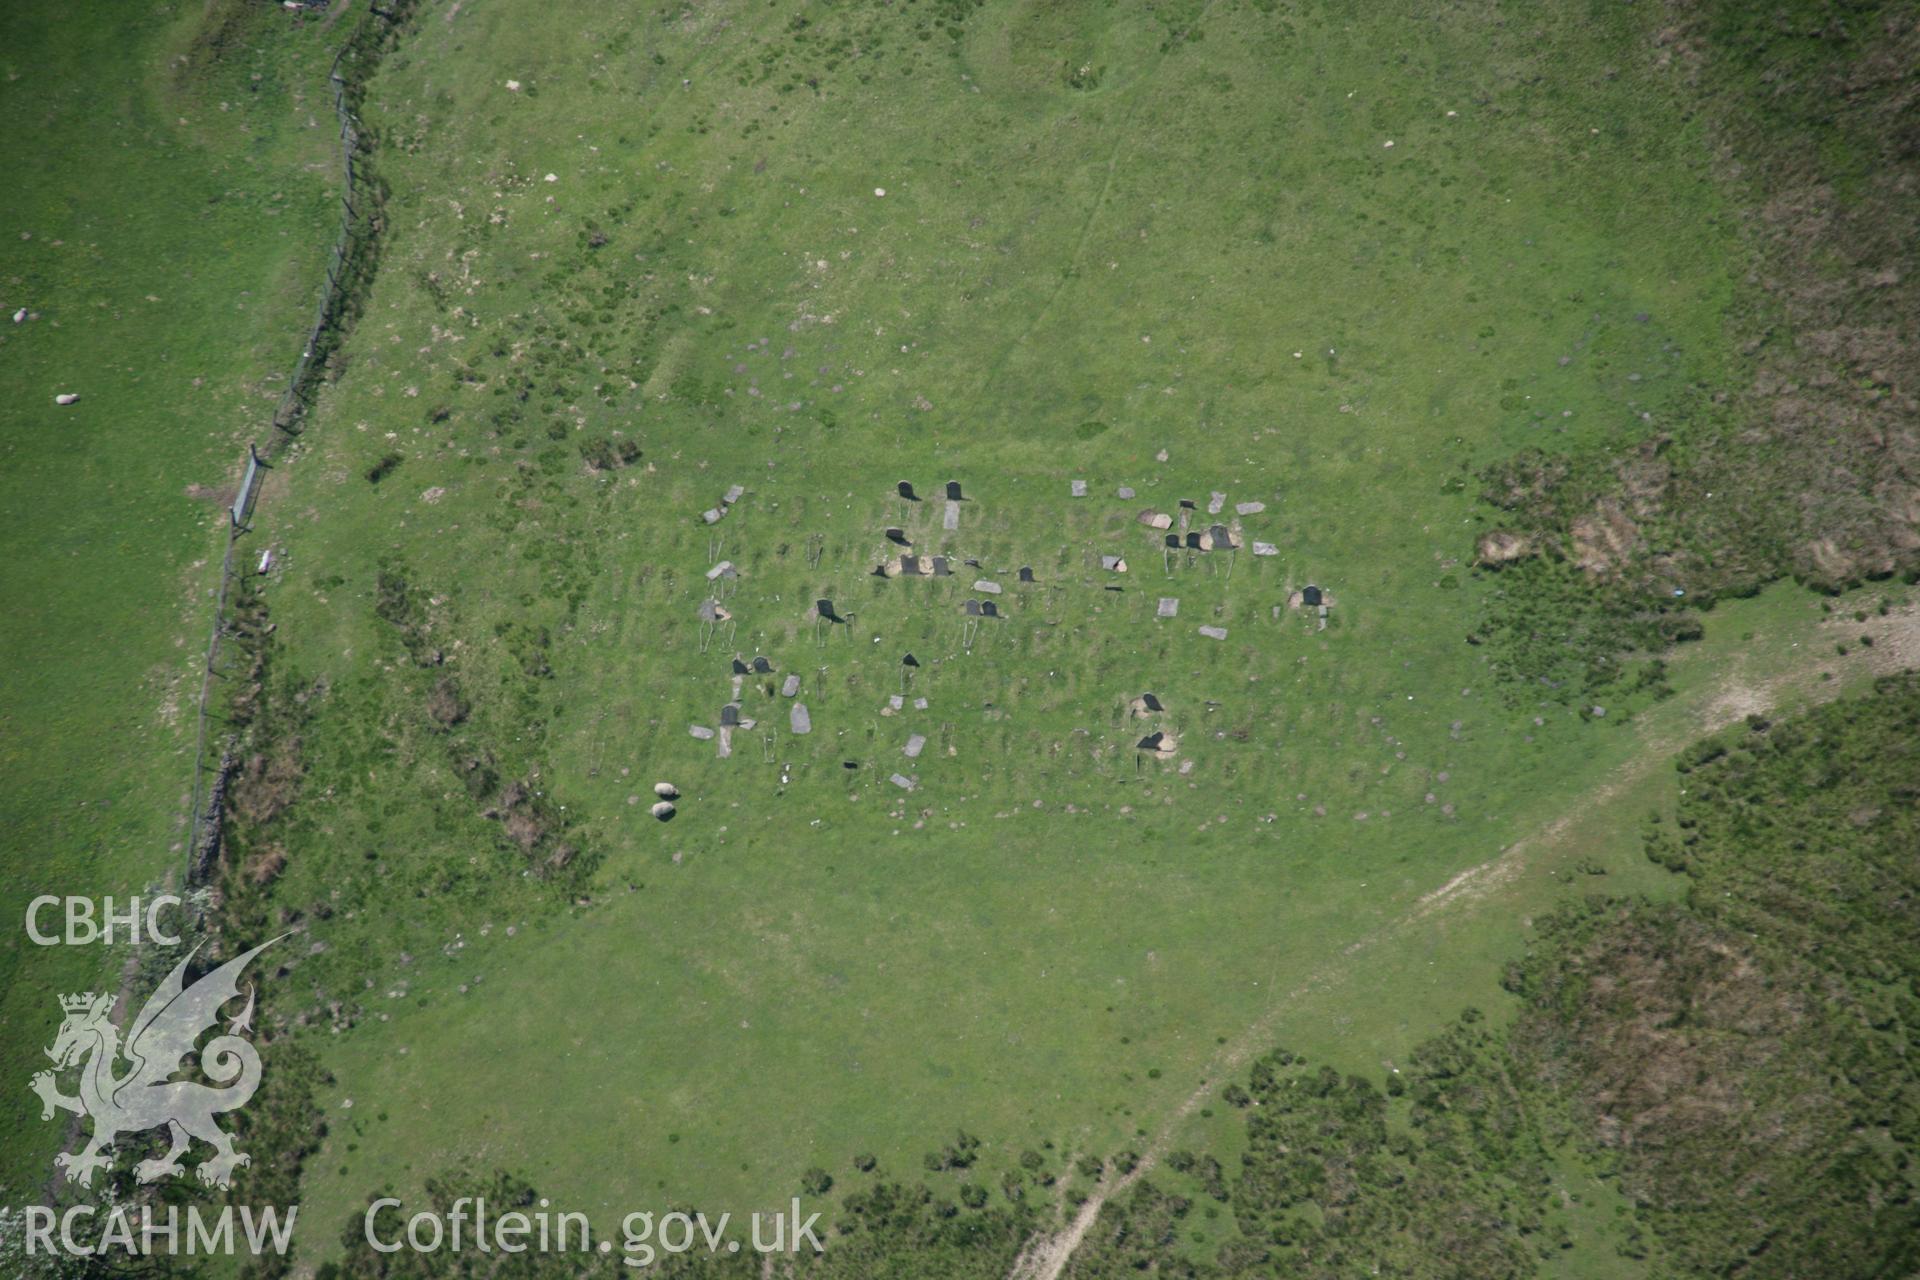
1329,260
164,223
1059,283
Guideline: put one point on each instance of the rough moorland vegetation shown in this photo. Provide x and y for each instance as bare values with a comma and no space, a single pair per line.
1740,1062
1802,462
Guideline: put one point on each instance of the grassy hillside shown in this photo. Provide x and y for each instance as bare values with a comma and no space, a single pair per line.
1490,326
487,647
164,228
1801,462
1680,1088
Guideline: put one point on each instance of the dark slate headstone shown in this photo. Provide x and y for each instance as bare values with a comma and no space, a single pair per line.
898,536
1220,536
940,569
1188,504
905,490
953,491
1026,573
909,661
1193,539
761,666
971,608
1173,541
1152,741
825,609
1310,595
730,716
910,566
739,667
988,609
1150,702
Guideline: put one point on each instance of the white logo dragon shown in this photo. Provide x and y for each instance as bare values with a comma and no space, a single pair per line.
161,1037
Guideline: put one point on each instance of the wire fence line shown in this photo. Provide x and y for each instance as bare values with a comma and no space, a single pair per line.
351,265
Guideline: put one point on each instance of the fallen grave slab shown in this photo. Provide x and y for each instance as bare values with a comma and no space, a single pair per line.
992,588
903,782
1169,607
791,687
1250,508
1214,633
798,721
700,731
915,745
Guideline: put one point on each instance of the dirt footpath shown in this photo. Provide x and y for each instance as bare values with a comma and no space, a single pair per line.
1896,647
